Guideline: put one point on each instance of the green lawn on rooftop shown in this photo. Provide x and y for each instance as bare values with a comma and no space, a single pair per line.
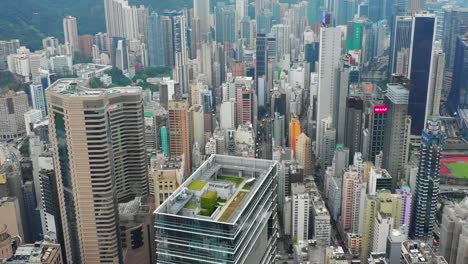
197,185
233,179
232,207
459,170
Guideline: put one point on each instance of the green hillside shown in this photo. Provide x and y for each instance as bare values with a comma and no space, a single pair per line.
31,20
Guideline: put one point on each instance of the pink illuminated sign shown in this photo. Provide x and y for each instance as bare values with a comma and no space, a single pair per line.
381,109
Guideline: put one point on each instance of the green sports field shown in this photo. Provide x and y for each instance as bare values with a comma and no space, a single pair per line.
459,169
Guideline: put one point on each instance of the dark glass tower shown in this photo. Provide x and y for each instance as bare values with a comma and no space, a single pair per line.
260,55
353,125
420,68
425,197
312,54
155,40
458,98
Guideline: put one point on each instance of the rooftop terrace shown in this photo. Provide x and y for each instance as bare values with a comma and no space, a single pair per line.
79,87
219,190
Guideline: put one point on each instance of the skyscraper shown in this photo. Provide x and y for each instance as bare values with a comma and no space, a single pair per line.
245,102
300,216
458,98
376,118
201,10
397,131
455,24
225,19
7,48
179,131
260,55
436,82
168,39
165,141
420,69
193,213
125,21
427,182
175,46
415,6
384,203
156,40
329,55
281,33
241,13
120,53
353,125
351,180
12,109
99,158
400,45
70,32
294,132
454,232
304,153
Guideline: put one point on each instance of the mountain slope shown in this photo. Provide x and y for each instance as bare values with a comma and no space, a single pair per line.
31,20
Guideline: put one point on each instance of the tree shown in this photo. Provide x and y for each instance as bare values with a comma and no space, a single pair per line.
24,149
94,82
78,57
118,78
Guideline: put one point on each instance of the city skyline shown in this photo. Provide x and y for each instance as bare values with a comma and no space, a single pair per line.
237,131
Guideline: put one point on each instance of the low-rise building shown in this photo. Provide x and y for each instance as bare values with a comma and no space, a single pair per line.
37,253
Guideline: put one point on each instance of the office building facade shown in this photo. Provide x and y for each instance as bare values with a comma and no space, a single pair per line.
421,54
99,159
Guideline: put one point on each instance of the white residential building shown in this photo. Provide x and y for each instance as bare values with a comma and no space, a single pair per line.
300,217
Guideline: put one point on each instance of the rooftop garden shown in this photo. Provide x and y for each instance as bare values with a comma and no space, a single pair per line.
236,180
208,203
232,207
197,185
191,206
247,186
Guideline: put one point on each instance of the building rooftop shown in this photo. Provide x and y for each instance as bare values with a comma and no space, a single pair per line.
219,190
84,69
139,205
35,253
76,87
413,251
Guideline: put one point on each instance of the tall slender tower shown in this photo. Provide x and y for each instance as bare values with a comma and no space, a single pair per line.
458,97
426,194
294,132
329,59
455,24
98,140
241,13
179,132
304,153
423,35
70,32
201,10
155,40
400,45
396,139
